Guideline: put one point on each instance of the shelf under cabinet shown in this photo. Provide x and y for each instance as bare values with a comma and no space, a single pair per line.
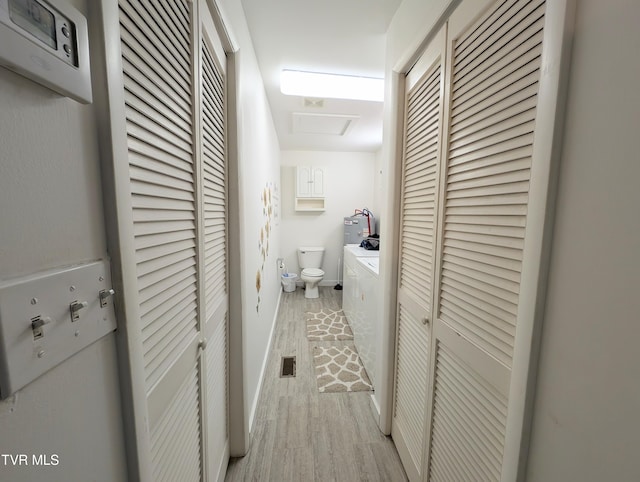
309,204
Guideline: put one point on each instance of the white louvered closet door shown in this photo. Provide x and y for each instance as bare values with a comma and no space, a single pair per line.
420,169
214,203
494,53
174,103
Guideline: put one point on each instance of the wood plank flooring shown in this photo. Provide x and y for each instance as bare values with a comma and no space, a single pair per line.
302,435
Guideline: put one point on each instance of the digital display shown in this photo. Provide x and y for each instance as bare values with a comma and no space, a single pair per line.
35,19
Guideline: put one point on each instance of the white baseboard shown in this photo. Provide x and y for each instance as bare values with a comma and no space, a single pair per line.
375,408
254,404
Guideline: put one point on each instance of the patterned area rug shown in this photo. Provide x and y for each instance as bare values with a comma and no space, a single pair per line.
339,369
328,325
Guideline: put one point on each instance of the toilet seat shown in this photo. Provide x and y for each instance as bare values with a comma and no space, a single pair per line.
313,272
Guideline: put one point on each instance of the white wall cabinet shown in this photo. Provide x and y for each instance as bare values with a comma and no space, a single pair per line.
309,181
309,188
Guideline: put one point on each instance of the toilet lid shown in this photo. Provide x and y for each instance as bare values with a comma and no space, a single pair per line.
313,272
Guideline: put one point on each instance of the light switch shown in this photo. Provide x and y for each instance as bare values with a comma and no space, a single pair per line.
36,326
75,308
47,317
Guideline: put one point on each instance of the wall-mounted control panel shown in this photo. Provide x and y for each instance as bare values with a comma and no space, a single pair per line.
47,41
48,317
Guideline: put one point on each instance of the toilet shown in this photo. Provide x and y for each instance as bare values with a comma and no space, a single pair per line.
310,261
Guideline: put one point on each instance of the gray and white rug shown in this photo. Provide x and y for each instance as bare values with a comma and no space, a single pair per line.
339,369
328,325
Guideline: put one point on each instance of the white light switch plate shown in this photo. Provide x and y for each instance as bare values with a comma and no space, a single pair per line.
49,295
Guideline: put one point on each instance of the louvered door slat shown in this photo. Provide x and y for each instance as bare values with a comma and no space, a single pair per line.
173,337
522,60
216,359
212,99
164,77
150,159
170,148
177,452
157,86
153,28
469,418
148,179
184,248
168,10
411,382
214,181
492,127
143,99
491,51
184,299
416,183
164,27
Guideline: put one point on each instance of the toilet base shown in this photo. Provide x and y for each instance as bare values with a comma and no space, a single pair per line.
311,292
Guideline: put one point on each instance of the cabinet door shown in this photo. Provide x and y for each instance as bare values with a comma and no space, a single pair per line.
421,163
317,186
304,181
309,182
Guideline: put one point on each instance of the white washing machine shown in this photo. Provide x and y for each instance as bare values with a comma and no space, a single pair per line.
359,294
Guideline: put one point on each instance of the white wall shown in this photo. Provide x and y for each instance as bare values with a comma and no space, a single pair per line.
51,216
259,169
586,423
349,184
378,186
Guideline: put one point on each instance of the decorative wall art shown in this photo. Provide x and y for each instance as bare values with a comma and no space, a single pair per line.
267,198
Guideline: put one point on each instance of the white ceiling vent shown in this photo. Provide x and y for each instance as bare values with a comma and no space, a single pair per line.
316,103
325,124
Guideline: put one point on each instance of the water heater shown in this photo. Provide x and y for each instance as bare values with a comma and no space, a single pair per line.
356,228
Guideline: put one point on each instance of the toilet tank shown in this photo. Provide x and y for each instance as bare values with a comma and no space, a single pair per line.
310,257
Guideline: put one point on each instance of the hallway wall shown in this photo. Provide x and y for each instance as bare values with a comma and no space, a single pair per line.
349,182
586,425
259,174
52,216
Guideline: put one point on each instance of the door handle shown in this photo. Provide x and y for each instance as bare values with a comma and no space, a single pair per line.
425,320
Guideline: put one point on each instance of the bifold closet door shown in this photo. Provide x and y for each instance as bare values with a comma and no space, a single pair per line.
214,212
420,172
491,220
174,98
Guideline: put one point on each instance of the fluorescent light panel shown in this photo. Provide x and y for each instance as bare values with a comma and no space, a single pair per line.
332,86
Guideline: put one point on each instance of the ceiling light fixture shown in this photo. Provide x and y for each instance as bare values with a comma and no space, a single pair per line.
311,84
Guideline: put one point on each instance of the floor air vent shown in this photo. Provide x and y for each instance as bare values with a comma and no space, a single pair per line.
288,367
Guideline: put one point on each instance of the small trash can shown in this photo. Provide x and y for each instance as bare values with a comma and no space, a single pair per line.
289,282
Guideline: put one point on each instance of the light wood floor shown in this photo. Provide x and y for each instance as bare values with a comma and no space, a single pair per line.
302,435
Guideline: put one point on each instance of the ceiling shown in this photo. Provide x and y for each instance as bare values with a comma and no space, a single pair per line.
330,36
